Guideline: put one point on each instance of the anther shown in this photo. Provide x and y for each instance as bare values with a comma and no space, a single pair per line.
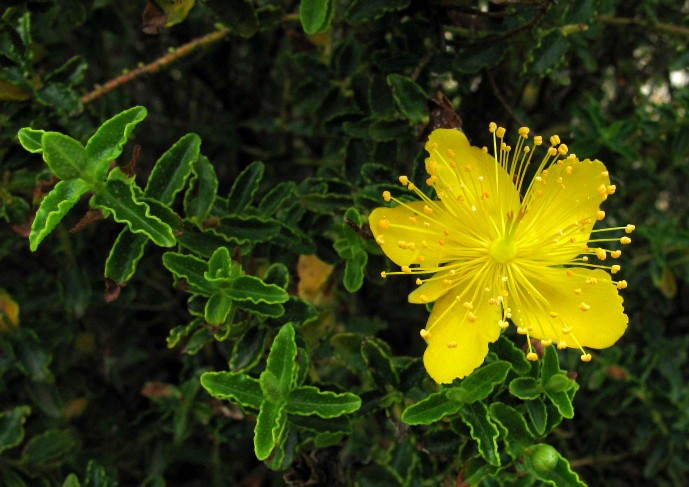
586,357
406,269
380,240
569,169
503,324
538,140
554,140
427,210
431,181
577,291
413,219
547,342
424,298
600,215
615,254
611,189
424,244
411,186
404,180
625,240
553,314
383,274
602,190
604,174
500,132
521,330
552,151
532,356
563,149
447,282
424,333
567,329
384,224
584,307
600,253
524,131
471,317
629,228
622,285
562,345
468,305
451,344
418,281
387,196
492,127
615,269
450,153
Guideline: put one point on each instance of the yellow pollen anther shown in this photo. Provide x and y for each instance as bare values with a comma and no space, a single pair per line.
546,343
422,258
402,244
441,242
406,269
450,153
383,274
411,186
492,127
431,181
471,317
451,344
413,219
604,174
503,324
380,240
569,273
521,330
625,240
467,168
611,189
553,314
418,281
538,140
425,333
424,298
384,224
615,269
424,244
524,131
567,329
600,253
615,254
387,196
586,357
577,291
404,180
584,307
500,132
468,305
602,190
569,169
427,210
552,151
629,228
563,149
600,215
562,345
532,356
447,282
554,139
622,285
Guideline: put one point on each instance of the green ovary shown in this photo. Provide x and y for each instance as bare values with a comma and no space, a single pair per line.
503,250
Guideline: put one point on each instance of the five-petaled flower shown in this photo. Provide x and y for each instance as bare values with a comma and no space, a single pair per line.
489,257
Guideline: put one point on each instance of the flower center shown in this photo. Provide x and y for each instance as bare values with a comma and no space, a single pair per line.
503,250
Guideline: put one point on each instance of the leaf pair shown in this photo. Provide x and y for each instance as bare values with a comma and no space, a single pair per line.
277,394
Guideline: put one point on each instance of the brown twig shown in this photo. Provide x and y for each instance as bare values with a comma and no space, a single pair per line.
501,99
156,65
660,26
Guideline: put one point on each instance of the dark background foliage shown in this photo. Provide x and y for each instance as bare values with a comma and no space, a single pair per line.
609,76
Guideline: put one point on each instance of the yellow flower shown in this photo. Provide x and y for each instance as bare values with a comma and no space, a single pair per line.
490,258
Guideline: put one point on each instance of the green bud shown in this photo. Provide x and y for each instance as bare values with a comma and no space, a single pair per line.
544,458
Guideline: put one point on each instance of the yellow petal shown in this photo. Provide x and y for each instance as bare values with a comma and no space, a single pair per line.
585,301
469,178
468,341
404,237
561,210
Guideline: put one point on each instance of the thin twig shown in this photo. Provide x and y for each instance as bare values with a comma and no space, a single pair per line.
156,65
501,99
660,26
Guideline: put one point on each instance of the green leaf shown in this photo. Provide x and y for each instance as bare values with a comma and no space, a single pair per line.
386,130
244,187
314,15
480,383
30,139
547,465
203,188
549,52
517,434
12,427
107,143
277,274
119,200
507,350
248,350
270,426
65,156
54,207
550,365
483,430
71,481
366,10
245,229
124,256
379,363
538,414
262,309
560,383
235,387
219,265
308,400
170,173
191,269
49,447
525,388
251,288
472,60
550,368
275,198
239,15
430,409
409,97
281,360
218,308
353,277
